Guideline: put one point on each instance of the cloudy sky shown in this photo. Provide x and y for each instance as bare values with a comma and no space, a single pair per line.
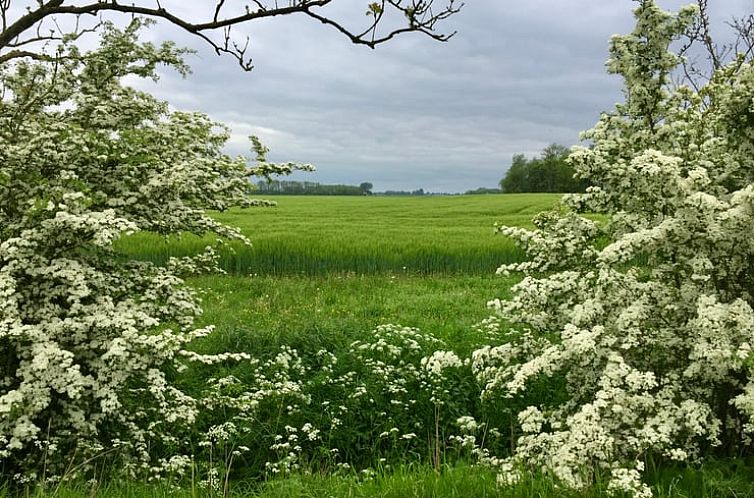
416,113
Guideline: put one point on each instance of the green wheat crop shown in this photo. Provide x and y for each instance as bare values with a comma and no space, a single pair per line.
363,235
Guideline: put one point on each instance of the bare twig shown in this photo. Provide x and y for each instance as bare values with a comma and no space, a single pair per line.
698,69
26,29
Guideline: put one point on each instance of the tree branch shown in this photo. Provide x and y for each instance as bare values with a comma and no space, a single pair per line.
697,73
18,54
418,15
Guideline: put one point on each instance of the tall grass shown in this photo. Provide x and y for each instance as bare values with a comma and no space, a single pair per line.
363,235
723,479
259,314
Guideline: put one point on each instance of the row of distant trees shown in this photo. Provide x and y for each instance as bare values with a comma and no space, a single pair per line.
419,191
483,190
548,173
292,187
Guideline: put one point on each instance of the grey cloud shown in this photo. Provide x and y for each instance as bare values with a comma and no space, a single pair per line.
417,113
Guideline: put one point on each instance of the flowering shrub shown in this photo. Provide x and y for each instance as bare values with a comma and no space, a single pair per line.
89,342
647,318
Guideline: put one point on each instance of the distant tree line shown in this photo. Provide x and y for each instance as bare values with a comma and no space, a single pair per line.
292,187
548,173
483,190
404,192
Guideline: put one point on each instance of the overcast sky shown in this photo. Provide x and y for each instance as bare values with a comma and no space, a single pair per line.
416,113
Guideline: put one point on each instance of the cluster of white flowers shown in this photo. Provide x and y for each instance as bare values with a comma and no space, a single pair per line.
467,424
644,318
89,339
628,481
287,403
439,361
467,440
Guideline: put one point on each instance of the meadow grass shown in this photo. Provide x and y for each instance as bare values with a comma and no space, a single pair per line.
721,479
724,479
324,272
366,235
260,314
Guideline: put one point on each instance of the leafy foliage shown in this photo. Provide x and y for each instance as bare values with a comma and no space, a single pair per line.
647,318
548,173
366,187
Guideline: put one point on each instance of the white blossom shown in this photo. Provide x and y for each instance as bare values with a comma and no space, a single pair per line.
88,335
645,315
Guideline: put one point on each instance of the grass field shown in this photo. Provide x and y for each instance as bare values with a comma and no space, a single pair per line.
364,235
325,272
259,314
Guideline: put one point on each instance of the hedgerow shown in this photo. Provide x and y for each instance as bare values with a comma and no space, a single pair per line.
648,317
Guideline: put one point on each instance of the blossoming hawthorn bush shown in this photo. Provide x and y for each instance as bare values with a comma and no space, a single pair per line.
88,340
647,317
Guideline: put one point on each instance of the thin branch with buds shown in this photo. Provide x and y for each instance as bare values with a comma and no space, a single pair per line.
28,28
698,69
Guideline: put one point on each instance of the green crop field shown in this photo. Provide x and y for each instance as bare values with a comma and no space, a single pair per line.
364,235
